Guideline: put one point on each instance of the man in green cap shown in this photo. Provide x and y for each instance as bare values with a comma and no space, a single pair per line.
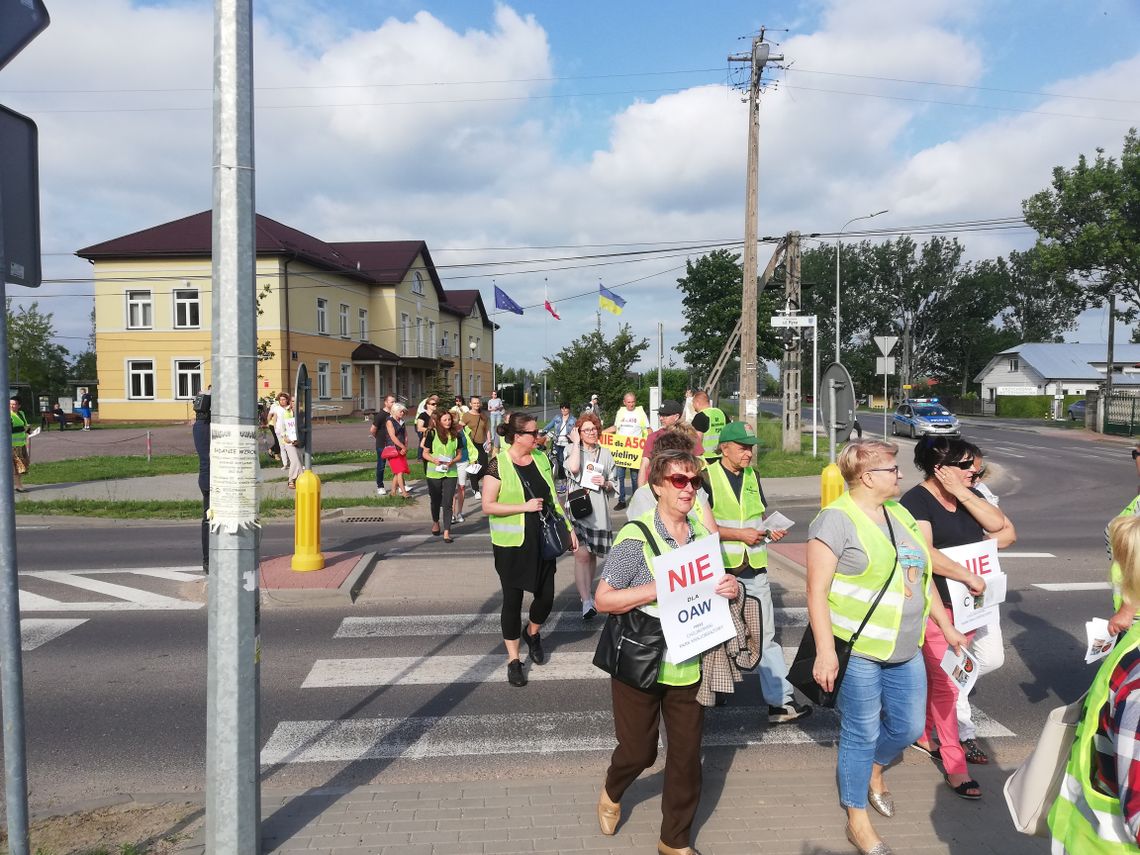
738,506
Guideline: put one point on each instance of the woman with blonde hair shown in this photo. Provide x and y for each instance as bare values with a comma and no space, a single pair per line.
590,467
868,561
398,438
1098,809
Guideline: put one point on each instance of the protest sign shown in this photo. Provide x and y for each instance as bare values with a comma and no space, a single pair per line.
962,668
626,450
693,616
972,611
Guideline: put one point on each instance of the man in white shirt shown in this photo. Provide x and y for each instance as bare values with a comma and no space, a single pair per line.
629,421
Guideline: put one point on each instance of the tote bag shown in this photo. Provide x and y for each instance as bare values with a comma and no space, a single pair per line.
1032,789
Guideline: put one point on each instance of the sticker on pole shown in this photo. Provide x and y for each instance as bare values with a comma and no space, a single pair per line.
233,477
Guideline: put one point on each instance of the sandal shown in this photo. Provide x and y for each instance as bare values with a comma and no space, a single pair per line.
932,753
963,790
974,752
292,485
435,532
447,538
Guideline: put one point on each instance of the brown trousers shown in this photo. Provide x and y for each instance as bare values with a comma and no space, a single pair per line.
636,717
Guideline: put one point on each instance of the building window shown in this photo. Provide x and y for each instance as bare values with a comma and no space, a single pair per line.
322,316
431,338
187,378
417,283
455,383
140,379
187,315
344,320
478,348
419,336
405,335
364,325
346,380
455,344
140,310
323,381
1014,364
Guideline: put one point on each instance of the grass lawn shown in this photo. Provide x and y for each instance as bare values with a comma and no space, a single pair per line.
182,509
771,461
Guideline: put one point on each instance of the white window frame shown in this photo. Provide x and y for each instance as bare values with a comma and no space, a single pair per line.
455,343
1014,364
405,333
362,319
346,380
131,371
188,299
143,300
322,316
324,370
418,283
479,348
344,320
419,336
431,339
179,368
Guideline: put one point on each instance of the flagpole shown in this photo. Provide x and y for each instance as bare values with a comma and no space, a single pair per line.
494,331
545,340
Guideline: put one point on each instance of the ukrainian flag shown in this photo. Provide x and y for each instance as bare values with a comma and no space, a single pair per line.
610,301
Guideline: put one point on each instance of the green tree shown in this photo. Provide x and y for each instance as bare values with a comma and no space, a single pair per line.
1043,299
711,307
84,367
34,357
591,364
1089,223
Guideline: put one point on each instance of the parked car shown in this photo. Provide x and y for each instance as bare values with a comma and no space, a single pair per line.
1077,410
917,417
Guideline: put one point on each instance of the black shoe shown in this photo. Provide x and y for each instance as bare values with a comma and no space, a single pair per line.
515,675
534,643
620,506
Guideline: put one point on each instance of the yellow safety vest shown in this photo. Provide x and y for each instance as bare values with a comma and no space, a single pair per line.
745,512
509,529
19,437
1084,820
851,596
441,449
1115,574
683,673
711,439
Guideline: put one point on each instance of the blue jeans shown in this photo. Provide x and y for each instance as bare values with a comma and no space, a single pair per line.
380,464
621,473
773,669
882,710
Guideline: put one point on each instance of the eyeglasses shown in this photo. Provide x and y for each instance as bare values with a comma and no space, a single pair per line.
588,429
977,476
526,433
894,469
680,481
962,464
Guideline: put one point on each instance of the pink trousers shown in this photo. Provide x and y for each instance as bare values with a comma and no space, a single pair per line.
941,702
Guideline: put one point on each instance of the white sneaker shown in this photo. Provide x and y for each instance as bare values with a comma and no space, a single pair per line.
380,491
477,495
459,518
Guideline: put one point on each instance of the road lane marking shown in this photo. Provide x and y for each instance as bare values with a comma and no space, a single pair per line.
1004,555
432,670
136,596
35,632
436,625
178,573
1072,586
531,734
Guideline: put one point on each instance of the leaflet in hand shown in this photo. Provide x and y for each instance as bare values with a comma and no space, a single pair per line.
1101,641
962,668
33,433
973,610
776,521
589,470
442,463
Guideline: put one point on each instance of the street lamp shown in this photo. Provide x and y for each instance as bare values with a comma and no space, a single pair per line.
838,240
471,344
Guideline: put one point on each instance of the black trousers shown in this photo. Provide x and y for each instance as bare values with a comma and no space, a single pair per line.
476,481
441,491
540,608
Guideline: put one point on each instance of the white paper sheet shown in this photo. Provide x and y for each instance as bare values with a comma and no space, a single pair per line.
1100,640
962,668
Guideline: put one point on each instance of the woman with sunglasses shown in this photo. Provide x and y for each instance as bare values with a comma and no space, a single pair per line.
950,513
423,423
856,544
517,488
588,463
628,583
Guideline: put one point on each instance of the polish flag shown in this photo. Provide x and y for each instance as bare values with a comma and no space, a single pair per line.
550,308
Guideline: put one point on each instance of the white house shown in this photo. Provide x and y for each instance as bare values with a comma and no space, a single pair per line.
1047,368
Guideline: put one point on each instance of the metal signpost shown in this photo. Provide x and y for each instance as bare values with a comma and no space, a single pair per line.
20,22
789,321
885,365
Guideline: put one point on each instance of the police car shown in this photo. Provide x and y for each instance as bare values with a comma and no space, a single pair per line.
917,417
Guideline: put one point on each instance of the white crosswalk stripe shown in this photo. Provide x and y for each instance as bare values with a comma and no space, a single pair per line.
35,632
121,597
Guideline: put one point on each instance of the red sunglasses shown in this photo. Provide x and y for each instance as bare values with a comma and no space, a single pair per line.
680,481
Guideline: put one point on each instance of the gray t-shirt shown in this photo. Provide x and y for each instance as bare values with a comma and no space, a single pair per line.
834,528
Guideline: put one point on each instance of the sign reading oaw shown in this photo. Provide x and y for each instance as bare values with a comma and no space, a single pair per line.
693,616
626,450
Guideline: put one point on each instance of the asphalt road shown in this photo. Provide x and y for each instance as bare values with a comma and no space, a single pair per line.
117,703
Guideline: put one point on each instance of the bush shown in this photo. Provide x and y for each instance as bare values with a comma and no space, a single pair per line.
1029,406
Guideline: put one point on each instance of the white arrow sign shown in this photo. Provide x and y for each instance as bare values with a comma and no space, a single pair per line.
886,343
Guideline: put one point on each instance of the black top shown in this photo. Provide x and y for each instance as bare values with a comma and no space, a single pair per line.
947,528
522,566
379,419
700,422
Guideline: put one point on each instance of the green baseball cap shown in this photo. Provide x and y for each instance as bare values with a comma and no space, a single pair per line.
738,432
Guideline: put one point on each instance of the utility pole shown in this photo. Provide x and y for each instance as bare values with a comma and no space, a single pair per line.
760,54
792,347
233,800
1111,342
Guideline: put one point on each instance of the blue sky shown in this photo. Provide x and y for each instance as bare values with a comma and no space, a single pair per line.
615,128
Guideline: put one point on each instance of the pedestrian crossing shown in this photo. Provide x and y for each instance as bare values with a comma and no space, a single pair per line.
741,724
55,590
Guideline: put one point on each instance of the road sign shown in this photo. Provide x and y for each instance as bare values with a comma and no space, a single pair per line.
884,365
19,199
886,344
795,321
844,401
20,22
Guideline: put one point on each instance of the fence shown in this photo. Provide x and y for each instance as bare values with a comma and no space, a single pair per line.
1120,412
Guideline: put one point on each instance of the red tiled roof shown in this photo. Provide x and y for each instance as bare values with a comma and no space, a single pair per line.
388,261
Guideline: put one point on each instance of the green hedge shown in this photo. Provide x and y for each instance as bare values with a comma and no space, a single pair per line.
1030,406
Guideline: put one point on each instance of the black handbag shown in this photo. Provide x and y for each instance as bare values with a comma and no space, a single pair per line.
632,645
800,672
580,504
553,531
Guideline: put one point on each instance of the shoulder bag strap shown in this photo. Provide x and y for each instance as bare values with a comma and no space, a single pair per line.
649,538
887,584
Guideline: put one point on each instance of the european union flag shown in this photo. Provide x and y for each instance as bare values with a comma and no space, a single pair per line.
610,301
502,301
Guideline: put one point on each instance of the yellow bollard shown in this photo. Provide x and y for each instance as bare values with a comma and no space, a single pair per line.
307,524
831,485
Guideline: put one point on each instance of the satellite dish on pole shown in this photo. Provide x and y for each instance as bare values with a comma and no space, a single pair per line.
844,415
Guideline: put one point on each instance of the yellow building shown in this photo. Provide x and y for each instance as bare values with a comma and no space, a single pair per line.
366,318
